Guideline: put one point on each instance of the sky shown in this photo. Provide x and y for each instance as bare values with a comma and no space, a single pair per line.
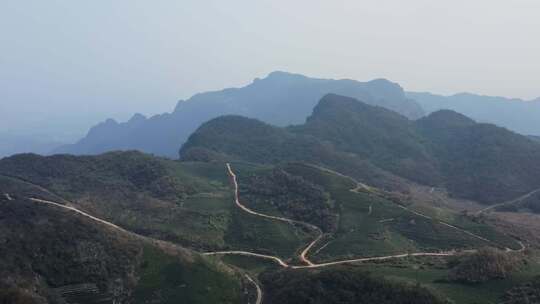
66,65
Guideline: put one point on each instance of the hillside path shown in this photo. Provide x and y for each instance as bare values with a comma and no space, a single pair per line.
303,255
41,188
258,288
516,200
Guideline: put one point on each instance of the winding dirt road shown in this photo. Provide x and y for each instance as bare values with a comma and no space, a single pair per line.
258,288
275,259
247,253
360,186
303,255
18,179
381,258
283,264
373,190
168,246
516,200
81,213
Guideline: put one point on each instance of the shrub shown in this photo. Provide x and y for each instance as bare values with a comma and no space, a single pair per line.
485,265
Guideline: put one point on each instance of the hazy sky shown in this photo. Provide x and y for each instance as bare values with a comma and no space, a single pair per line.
66,64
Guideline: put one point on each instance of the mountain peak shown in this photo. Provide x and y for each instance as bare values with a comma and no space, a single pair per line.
281,77
109,122
333,104
137,117
283,74
384,82
336,98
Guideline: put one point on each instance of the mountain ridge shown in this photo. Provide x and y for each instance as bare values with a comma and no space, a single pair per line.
281,99
472,160
516,114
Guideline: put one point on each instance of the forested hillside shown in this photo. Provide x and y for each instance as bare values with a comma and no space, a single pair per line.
50,255
474,161
298,212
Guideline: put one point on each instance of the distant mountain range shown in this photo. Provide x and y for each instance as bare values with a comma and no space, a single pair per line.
471,160
17,143
284,99
280,99
515,114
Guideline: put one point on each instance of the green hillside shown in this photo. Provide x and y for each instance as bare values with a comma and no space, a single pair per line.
51,255
474,161
385,138
187,203
481,161
191,204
